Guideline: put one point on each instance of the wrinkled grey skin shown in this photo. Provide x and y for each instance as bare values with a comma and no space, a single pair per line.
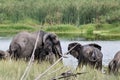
87,54
23,43
114,64
4,54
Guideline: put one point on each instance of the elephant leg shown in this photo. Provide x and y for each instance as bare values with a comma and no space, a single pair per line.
98,65
41,55
51,58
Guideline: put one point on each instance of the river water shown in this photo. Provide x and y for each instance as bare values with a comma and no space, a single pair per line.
109,48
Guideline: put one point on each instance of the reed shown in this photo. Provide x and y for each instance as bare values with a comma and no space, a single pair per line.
59,11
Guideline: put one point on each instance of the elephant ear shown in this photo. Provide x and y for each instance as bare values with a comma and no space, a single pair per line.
53,38
45,37
74,46
95,45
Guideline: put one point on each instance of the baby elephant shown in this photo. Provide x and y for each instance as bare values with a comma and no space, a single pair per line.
87,54
114,65
4,54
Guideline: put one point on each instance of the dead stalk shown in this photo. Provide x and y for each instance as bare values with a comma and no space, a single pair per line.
26,72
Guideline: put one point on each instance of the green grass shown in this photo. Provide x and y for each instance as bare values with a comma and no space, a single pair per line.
12,29
63,28
13,70
88,31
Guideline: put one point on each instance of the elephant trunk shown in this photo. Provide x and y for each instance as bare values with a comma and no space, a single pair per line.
58,50
93,57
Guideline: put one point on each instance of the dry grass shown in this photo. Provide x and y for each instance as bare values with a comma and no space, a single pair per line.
13,70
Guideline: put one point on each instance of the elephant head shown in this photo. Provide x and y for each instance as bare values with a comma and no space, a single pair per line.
76,50
114,64
48,46
52,44
15,50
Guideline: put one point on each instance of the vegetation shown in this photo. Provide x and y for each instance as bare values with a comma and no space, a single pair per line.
88,31
92,19
59,11
12,29
13,70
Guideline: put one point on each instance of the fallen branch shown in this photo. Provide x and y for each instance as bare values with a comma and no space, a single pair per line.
66,75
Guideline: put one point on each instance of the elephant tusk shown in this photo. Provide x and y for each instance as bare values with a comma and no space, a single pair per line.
12,55
64,56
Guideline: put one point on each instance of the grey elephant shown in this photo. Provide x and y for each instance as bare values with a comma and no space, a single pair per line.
23,44
87,54
51,48
114,64
4,54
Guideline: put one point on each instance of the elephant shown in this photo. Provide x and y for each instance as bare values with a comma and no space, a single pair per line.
4,54
23,43
87,54
51,49
114,64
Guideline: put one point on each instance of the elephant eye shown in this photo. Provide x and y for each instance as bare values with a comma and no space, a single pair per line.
91,53
25,41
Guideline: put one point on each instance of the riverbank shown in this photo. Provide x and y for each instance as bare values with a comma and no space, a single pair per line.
87,31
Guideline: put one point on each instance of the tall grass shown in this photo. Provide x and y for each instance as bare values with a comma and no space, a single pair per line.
59,11
13,70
